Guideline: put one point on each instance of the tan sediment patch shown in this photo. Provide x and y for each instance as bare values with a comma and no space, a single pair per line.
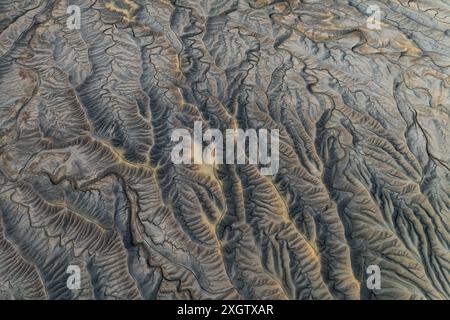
127,13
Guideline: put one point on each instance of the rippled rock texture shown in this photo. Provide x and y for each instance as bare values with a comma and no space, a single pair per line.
86,178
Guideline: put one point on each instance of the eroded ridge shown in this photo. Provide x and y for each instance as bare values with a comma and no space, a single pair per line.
86,177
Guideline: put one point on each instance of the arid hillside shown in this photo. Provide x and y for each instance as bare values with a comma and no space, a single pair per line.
93,205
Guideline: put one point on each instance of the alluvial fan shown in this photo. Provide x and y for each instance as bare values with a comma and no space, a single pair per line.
93,205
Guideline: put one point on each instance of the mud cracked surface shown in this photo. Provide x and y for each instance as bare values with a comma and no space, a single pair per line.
86,177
